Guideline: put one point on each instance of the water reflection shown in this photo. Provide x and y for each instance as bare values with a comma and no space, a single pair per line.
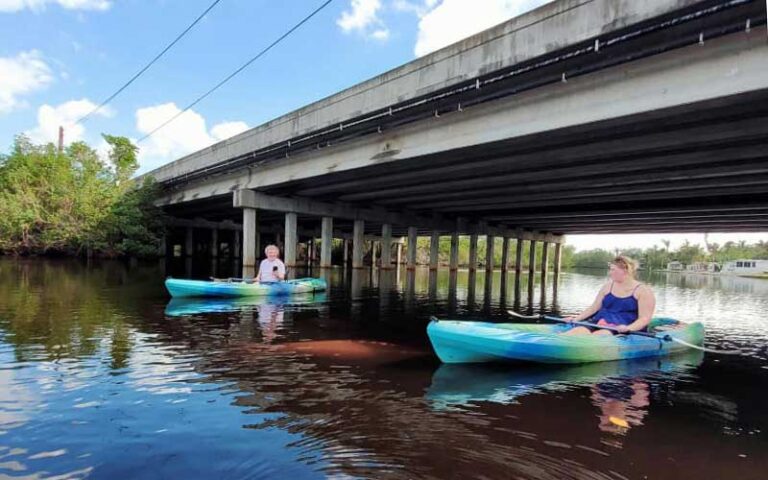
177,307
98,369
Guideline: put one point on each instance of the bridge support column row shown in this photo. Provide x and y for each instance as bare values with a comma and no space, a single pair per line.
250,201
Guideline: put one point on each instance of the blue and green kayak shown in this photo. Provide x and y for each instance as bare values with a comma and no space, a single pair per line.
204,288
456,341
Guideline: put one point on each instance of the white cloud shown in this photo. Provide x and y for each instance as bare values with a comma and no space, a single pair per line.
449,21
380,34
225,130
39,5
23,74
49,118
185,135
363,18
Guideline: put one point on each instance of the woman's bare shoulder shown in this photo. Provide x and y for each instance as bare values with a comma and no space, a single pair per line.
644,289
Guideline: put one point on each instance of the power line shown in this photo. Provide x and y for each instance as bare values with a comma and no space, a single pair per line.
157,57
242,67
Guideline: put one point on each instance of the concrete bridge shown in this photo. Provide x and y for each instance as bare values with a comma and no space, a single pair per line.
583,116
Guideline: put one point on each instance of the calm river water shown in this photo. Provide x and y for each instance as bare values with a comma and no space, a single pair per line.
102,376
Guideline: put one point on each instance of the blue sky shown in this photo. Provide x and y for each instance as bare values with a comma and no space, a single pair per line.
59,58
65,56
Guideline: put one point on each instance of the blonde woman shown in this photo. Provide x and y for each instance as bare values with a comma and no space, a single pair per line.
623,303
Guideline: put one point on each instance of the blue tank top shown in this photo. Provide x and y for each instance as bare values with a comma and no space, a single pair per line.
618,310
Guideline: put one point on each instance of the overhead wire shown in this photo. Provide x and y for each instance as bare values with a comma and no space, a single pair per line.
239,69
148,65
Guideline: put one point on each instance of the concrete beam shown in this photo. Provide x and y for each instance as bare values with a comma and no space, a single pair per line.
307,206
202,223
733,65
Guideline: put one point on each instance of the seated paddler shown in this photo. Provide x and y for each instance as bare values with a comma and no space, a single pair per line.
623,303
271,269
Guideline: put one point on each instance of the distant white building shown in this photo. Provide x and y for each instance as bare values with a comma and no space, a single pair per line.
703,267
738,267
675,266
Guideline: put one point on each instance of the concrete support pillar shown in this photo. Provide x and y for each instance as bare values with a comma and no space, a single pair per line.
399,254
214,242
544,259
490,244
189,242
505,254
434,250
386,246
473,252
249,238
346,251
558,258
412,240
373,253
518,256
532,258
326,242
291,239
358,243
454,262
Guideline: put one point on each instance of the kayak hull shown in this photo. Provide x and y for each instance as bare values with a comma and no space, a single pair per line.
179,288
456,341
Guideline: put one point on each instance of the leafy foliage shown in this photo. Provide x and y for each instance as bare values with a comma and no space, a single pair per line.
72,202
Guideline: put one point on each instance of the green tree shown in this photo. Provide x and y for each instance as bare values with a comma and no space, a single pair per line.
71,201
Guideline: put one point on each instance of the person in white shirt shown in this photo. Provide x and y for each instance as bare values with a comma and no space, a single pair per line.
272,269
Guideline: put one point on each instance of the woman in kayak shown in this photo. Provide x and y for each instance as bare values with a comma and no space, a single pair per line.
623,303
271,269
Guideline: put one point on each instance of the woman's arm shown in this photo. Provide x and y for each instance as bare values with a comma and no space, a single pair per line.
646,303
593,309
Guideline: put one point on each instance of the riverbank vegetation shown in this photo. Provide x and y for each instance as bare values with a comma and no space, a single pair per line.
73,202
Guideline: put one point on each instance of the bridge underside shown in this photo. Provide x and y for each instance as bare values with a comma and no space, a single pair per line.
698,167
